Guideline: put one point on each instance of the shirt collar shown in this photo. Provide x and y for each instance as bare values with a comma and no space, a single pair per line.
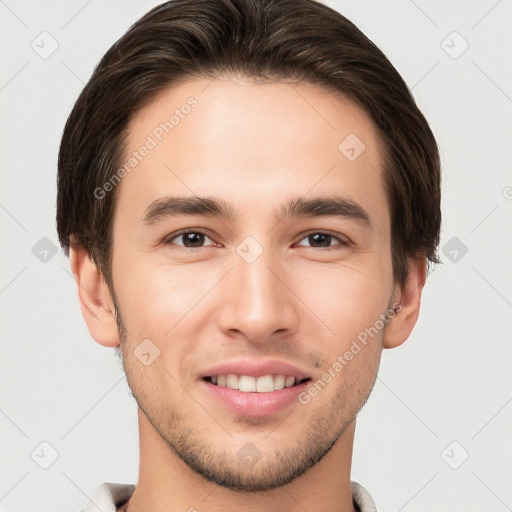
109,496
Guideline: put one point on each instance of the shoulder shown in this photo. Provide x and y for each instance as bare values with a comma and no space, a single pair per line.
109,496
362,498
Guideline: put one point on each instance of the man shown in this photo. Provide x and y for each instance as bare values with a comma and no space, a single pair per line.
250,199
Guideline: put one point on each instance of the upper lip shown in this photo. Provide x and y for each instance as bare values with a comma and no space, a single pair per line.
256,368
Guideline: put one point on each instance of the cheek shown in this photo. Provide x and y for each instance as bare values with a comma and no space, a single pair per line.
159,299
169,305
151,295
344,301
169,292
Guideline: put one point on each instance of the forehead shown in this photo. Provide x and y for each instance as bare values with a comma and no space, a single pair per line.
250,144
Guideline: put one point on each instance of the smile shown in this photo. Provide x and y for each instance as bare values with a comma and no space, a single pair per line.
251,384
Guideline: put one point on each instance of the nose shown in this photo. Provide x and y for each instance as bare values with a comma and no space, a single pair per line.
258,302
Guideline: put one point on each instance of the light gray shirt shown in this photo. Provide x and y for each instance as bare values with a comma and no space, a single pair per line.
109,497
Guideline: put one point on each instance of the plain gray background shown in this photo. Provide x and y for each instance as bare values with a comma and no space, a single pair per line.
435,434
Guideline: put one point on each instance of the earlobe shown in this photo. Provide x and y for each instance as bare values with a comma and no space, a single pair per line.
401,325
95,301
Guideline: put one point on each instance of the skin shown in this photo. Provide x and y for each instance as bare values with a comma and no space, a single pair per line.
255,146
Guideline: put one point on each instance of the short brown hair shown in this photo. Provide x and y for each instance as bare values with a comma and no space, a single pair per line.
301,40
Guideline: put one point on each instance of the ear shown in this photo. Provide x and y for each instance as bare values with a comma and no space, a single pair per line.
95,300
408,297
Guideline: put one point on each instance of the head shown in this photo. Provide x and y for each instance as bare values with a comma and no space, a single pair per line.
291,150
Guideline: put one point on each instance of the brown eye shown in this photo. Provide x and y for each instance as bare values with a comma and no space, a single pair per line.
321,240
190,239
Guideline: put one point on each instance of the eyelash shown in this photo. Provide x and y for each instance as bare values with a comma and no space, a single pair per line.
342,243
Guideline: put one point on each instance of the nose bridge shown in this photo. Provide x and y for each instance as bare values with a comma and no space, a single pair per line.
258,303
258,286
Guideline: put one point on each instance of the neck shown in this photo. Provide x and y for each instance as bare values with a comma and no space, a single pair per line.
167,484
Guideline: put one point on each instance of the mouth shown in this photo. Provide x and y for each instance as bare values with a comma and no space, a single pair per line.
255,387
255,384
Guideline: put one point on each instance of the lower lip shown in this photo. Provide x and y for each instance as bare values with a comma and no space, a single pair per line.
255,404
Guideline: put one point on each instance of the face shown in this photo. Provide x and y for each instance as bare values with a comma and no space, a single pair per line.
265,297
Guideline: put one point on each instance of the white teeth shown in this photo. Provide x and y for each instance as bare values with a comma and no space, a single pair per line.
232,381
265,384
279,382
289,382
249,384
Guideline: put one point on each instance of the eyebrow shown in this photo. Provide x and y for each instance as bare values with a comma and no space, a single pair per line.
322,206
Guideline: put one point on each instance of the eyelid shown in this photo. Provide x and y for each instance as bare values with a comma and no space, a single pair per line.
172,236
343,240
